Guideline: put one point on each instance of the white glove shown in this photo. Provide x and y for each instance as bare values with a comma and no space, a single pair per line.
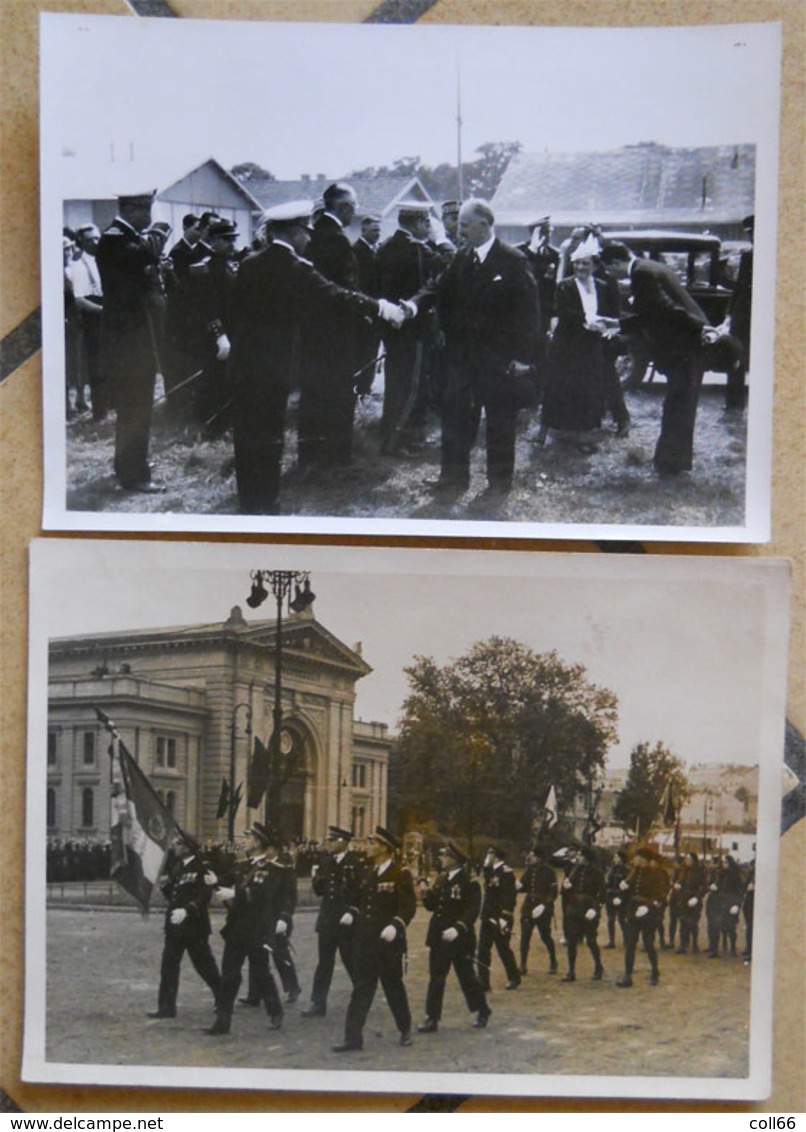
389,933
676,887
641,912
314,870
178,916
713,888
616,901
591,914
391,312
624,886
751,888
450,934
538,911
281,928
409,308
222,347
225,894
734,909
503,925
567,882
210,879
693,902
346,920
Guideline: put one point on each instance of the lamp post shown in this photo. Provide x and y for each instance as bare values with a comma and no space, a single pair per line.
707,805
281,583
248,732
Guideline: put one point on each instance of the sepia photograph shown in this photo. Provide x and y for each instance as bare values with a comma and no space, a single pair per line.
422,280
373,819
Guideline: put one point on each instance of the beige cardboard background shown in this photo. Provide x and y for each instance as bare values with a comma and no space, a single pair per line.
21,496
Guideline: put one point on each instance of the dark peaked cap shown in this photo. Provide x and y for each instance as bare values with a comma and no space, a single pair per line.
334,831
388,839
265,835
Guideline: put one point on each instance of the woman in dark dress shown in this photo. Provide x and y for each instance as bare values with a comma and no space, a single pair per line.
575,392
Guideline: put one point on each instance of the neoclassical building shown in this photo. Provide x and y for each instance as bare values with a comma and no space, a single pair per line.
188,703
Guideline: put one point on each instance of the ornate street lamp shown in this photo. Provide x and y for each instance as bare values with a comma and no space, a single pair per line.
281,583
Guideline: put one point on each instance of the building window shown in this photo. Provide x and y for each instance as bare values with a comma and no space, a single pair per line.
170,802
357,823
52,748
360,775
87,807
165,752
51,808
88,748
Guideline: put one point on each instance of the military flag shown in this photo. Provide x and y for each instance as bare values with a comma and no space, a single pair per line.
258,775
223,799
667,812
141,827
550,806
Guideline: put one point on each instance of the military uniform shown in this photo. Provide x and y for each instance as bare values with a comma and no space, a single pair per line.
692,889
724,906
336,881
495,927
583,895
539,886
614,899
454,902
187,896
646,890
385,897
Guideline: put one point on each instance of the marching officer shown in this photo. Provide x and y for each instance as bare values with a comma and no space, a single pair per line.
747,911
676,901
249,931
614,897
187,887
336,880
692,889
646,888
385,906
497,917
282,897
583,895
454,901
539,885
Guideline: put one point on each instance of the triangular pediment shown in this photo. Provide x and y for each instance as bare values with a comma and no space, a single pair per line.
304,637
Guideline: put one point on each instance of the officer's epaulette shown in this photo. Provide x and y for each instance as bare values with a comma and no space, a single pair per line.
200,268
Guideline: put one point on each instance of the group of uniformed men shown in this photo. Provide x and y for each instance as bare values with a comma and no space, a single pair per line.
369,898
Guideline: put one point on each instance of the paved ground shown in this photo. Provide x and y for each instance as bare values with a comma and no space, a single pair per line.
102,977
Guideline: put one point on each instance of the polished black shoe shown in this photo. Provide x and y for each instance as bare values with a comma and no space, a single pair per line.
553,969
276,1022
249,1001
161,1014
624,981
313,1012
609,947
405,1038
293,995
217,1028
430,1026
569,978
481,1019
347,1047
513,984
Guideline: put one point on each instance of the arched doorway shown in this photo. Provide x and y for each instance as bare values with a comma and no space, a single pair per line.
293,783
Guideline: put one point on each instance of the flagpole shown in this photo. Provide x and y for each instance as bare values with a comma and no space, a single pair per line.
248,732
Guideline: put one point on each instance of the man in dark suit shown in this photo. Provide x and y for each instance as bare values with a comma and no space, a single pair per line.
276,291
673,324
330,343
385,907
489,311
189,248
336,881
406,264
128,263
366,250
454,901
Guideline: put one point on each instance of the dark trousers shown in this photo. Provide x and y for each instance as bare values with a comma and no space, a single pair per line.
329,942
615,915
235,952
690,927
374,961
404,406
543,925
134,400
201,956
675,448
491,934
747,912
579,930
644,929
614,394
325,424
461,410
440,960
258,434
281,953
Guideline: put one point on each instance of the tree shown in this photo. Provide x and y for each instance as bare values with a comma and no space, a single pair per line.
488,169
650,771
250,171
484,737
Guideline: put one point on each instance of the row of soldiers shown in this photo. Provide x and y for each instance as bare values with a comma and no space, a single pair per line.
369,898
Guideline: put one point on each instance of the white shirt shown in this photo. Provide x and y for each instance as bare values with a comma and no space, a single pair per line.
483,251
590,303
382,868
84,275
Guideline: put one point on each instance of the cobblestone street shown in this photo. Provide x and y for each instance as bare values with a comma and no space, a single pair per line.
103,970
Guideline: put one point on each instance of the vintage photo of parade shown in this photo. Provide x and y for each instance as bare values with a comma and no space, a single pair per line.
482,275
400,814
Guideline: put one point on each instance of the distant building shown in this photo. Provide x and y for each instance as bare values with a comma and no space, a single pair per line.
174,695
637,186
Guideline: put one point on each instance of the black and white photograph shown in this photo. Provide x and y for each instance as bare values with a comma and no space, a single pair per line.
422,280
375,820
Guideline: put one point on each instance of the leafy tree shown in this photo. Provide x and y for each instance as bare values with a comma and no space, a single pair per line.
651,768
250,171
480,177
482,739
488,169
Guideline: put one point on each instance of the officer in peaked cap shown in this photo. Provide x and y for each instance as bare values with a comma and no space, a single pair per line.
454,901
450,219
276,292
335,878
539,886
497,916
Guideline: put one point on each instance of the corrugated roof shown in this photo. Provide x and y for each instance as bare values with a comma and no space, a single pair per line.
375,194
637,184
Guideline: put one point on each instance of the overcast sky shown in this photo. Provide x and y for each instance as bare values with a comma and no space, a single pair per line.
681,642
310,98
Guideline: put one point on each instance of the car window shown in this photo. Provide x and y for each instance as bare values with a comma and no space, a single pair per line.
678,261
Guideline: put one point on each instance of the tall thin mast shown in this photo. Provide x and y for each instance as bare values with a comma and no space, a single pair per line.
459,131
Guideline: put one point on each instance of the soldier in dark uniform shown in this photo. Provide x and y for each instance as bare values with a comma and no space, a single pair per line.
544,259
275,291
385,906
406,263
646,888
282,887
336,881
539,886
715,906
692,889
614,897
497,918
583,896
747,911
450,220
676,901
731,885
453,901
368,339
189,248
128,262
248,932
187,887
